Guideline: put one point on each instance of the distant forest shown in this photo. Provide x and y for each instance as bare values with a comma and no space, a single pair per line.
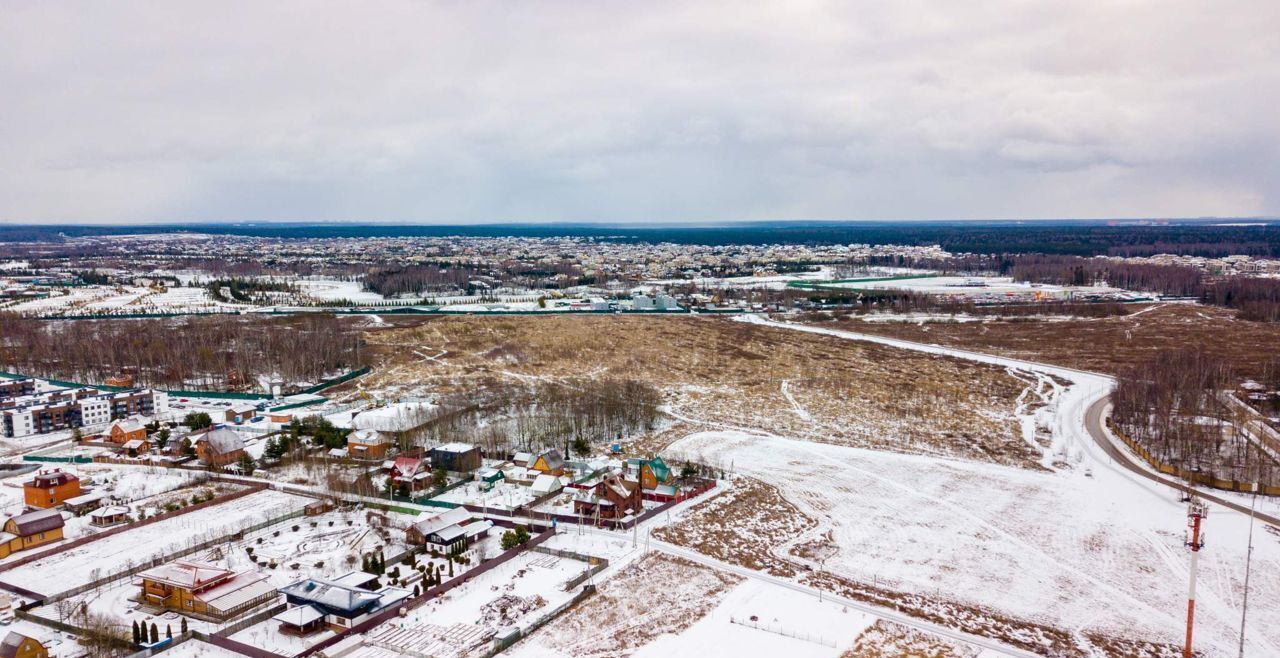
217,352
1080,238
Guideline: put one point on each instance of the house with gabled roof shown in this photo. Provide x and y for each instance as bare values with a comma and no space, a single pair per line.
550,462
203,589
126,430
368,444
339,605
29,530
613,497
218,446
17,645
410,471
652,473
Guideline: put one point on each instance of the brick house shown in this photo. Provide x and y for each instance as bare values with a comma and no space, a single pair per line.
219,446
50,489
124,431
610,498
456,457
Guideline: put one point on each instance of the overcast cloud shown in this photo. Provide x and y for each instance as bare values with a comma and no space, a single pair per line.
473,111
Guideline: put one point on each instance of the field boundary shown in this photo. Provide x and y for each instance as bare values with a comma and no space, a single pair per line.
1194,477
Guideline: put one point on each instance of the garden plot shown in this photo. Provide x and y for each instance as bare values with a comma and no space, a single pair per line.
323,546
504,495
1100,556
81,564
515,594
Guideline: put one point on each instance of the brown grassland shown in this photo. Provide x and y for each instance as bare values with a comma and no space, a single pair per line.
714,372
1104,344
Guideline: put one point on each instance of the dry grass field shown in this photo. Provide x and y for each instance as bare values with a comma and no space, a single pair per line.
714,372
1104,344
656,594
886,639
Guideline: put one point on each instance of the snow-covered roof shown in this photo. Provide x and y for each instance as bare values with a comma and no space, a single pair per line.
187,574
299,615
134,444
455,447
239,590
331,595
128,425
368,437
546,484
435,522
39,521
108,511
222,440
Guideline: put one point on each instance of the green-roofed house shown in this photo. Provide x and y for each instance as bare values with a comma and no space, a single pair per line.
654,473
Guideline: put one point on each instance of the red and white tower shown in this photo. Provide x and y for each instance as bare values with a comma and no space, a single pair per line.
1196,513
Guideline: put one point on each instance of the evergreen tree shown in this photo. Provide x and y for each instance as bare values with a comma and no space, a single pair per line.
184,625
168,631
137,634
155,633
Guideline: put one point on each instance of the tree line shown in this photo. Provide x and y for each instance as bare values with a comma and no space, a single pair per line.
216,352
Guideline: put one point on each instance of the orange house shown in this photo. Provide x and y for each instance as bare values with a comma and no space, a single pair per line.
368,444
124,431
17,645
549,462
50,489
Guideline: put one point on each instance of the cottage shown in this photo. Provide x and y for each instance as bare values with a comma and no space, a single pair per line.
550,462
239,413
123,431
219,446
136,447
30,530
203,589
341,606
410,472
280,417
50,489
105,517
317,507
522,459
488,477
17,645
652,473
456,457
368,444
546,484
610,498
434,528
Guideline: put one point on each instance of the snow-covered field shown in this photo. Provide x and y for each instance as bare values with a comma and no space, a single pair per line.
82,564
1101,553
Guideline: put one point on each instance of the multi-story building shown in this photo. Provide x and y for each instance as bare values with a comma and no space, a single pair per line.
13,388
50,489
80,407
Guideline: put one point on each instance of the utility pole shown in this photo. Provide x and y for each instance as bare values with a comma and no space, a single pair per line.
1248,562
1196,512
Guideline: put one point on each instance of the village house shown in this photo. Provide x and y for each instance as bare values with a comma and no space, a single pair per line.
30,530
549,462
126,430
240,412
17,645
652,473
410,472
136,447
218,446
546,484
84,502
50,489
368,444
443,530
202,589
338,604
611,498
456,457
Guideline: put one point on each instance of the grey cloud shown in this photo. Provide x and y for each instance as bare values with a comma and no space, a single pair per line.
489,111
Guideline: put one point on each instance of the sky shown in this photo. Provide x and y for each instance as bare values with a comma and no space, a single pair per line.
473,111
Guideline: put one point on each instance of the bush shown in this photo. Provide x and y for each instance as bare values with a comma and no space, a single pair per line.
295,528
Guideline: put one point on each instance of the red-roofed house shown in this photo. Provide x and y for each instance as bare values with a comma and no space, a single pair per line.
203,589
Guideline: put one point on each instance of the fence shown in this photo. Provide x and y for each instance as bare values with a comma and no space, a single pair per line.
1194,477
797,635
394,612
504,643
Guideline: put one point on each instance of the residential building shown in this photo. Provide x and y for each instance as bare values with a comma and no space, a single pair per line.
17,645
30,530
126,430
203,589
218,446
50,489
550,462
429,524
411,472
611,498
368,444
12,388
456,457
340,605
105,517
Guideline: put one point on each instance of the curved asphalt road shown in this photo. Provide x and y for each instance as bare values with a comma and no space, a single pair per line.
1095,424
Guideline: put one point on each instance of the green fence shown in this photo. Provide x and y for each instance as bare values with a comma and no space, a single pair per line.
58,460
336,380
820,285
297,405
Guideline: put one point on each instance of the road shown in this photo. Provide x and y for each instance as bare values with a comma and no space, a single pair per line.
1094,422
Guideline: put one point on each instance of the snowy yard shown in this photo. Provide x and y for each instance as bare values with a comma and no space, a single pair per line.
82,564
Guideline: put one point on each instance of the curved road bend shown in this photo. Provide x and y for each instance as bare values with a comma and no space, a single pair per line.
1095,425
